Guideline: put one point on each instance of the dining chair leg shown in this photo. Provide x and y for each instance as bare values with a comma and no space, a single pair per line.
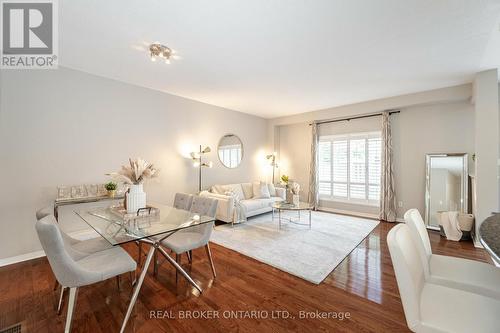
56,284
139,258
71,308
133,277
118,282
155,264
179,268
61,300
209,254
190,256
177,260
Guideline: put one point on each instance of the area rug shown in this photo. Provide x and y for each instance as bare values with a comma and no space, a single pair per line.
310,254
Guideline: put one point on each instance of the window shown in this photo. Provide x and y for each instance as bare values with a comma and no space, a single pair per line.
230,155
349,167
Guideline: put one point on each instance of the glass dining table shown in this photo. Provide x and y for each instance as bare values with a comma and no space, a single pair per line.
150,226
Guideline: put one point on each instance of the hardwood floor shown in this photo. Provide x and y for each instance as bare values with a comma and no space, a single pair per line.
363,285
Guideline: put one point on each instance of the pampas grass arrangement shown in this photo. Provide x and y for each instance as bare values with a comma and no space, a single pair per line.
136,173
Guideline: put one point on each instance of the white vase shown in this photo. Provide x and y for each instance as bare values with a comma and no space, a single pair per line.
136,198
289,196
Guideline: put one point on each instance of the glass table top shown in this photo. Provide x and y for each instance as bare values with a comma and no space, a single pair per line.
117,229
290,206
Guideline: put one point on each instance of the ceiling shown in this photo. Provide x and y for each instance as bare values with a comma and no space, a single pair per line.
274,58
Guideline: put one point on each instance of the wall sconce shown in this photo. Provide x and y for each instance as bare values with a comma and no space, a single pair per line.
198,163
272,161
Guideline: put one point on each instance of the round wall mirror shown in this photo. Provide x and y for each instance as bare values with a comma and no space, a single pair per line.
230,151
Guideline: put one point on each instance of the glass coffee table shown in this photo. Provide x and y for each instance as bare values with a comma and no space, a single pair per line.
292,207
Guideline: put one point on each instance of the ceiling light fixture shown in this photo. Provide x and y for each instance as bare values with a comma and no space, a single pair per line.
156,50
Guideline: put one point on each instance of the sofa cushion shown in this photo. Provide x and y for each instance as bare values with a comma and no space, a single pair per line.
276,199
281,192
235,196
247,190
236,190
260,190
256,204
218,189
272,189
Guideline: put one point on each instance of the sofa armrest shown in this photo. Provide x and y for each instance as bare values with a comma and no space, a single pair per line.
281,192
225,205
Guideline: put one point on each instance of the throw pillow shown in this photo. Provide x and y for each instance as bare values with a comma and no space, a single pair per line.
236,189
260,190
272,189
247,190
233,194
219,189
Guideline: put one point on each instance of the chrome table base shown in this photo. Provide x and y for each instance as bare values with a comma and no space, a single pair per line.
290,219
155,246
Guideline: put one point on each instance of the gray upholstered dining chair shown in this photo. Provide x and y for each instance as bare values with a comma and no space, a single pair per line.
71,273
77,249
42,212
186,240
183,201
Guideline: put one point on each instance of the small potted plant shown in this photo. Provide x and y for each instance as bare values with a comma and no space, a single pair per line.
111,188
284,180
292,190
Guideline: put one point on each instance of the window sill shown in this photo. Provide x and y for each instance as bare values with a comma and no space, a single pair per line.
350,202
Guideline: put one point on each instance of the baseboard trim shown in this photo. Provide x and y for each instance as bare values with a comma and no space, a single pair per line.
355,214
477,243
80,235
21,258
349,213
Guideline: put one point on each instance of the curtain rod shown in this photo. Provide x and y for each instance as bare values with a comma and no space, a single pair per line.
356,117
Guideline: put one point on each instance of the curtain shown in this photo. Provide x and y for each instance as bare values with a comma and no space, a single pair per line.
313,196
387,194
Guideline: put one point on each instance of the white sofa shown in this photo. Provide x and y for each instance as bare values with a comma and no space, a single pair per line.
228,195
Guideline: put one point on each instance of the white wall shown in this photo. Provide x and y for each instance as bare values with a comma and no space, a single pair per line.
487,145
444,123
445,128
68,127
294,155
